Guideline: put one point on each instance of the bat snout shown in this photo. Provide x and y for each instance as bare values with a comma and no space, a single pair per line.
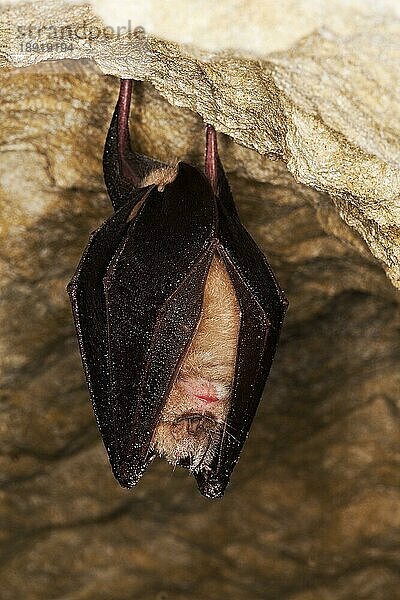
196,424
193,425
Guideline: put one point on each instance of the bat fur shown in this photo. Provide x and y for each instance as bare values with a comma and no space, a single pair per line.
190,426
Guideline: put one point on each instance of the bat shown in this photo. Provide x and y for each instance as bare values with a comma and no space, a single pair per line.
177,314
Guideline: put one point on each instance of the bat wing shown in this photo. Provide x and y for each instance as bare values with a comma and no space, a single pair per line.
87,298
119,188
262,306
153,290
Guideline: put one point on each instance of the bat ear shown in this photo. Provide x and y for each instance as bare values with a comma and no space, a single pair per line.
215,173
126,171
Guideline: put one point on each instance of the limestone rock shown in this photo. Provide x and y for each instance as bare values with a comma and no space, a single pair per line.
328,106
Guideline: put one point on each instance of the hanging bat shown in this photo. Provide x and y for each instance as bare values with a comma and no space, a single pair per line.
177,314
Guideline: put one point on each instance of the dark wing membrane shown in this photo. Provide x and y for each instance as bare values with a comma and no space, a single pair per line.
225,197
262,306
154,289
89,310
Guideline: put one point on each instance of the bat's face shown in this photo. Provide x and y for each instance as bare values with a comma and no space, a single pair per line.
195,413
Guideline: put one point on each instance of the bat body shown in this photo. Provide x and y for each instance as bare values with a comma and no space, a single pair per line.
177,314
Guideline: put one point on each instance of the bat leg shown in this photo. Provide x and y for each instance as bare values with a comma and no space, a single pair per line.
127,159
125,171
211,158
136,168
215,173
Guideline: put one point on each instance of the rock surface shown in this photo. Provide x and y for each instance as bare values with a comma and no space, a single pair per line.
328,106
312,512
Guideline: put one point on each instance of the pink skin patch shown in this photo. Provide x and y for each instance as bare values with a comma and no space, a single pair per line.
202,389
207,398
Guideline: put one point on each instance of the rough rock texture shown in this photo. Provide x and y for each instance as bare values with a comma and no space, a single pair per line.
329,106
256,27
313,509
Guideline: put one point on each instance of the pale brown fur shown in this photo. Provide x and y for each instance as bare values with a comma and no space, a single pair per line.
151,171
208,367
161,176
